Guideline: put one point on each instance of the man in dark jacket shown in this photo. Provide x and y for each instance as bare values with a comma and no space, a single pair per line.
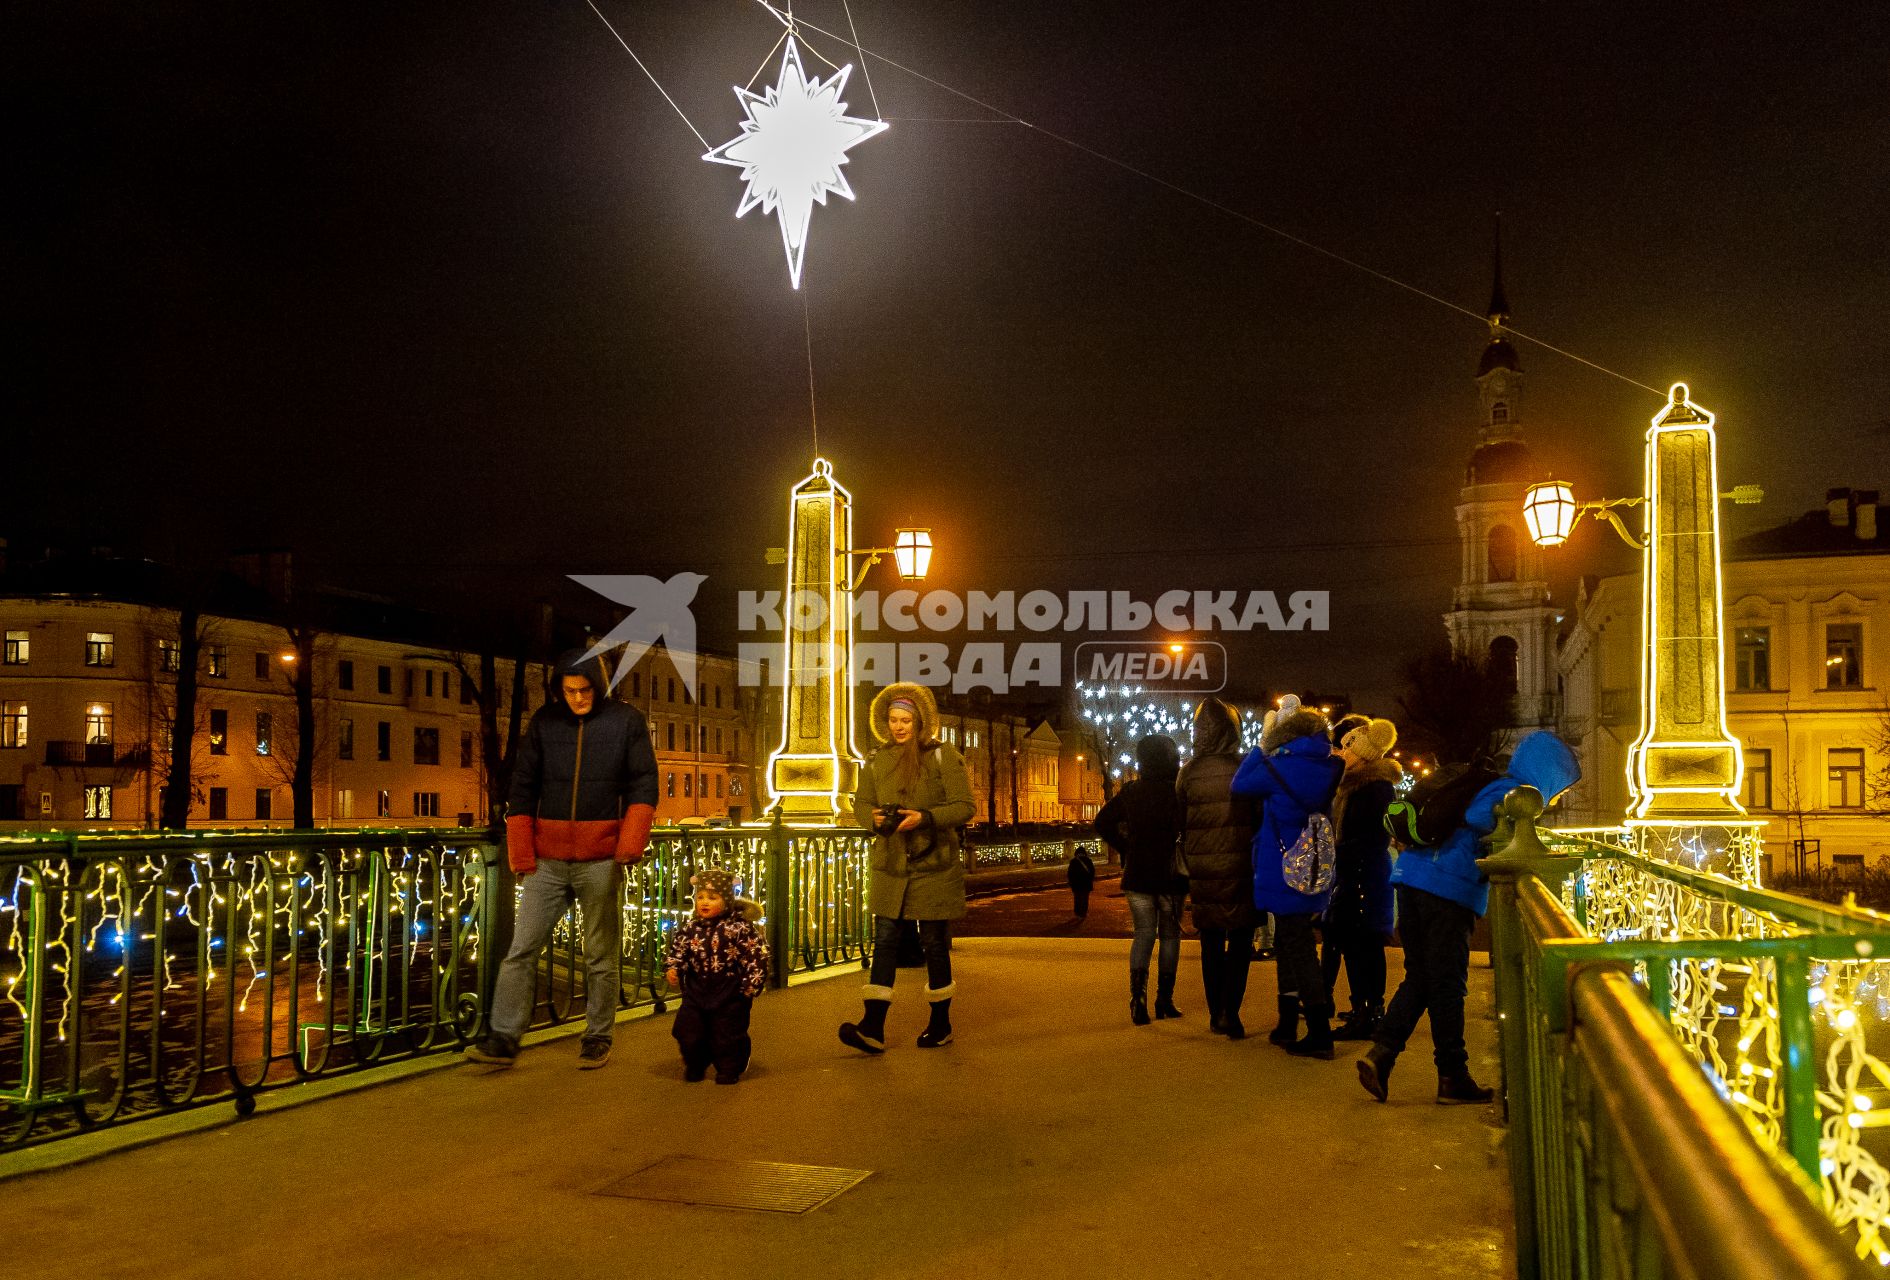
583,800
1081,874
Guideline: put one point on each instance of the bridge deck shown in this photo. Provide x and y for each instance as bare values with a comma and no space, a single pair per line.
1053,1138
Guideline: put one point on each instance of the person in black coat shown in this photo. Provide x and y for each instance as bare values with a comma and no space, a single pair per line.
1142,824
1360,917
1082,877
1217,848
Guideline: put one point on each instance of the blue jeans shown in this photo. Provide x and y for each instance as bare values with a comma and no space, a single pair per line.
549,893
1153,914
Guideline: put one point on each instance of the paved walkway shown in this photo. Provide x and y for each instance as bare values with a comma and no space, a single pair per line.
1052,1139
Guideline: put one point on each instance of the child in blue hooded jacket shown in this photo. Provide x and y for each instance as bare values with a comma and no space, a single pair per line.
1441,892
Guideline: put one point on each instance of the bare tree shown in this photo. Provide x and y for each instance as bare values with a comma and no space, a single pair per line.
1877,783
292,763
178,717
496,752
1454,707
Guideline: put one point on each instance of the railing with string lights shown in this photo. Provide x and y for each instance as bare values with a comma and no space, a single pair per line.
1689,1076
148,974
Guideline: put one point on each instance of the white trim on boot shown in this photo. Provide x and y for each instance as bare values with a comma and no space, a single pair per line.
945,992
877,993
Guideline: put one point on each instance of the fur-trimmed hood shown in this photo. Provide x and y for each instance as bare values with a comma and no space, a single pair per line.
1383,769
920,697
1300,722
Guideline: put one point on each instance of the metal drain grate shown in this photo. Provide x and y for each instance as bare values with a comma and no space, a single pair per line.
737,1184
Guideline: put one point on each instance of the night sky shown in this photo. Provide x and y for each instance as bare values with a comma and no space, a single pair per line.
443,297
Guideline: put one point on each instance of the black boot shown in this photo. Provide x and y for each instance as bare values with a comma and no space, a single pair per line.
1359,1024
938,1032
1165,996
1288,1030
1460,1088
1317,1042
1138,997
868,1035
1374,1070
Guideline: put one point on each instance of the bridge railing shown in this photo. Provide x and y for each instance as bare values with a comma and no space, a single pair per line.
143,974
1661,1068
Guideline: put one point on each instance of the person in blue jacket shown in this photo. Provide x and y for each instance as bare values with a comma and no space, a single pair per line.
1293,774
1440,895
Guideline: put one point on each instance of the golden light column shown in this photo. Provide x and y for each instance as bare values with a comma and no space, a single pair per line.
1685,768
816,765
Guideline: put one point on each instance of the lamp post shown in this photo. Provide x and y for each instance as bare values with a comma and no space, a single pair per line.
816,766
1685,768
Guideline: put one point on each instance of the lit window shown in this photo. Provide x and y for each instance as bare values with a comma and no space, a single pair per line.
17,647
669,784
98,802
264,724
12,724
344,803
426,804
685,786
217,661
98,724
1752,659
170,656
98,649
1845,777
219,733
1843,650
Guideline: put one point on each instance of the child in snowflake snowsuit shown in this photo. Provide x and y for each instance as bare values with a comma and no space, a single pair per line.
720,962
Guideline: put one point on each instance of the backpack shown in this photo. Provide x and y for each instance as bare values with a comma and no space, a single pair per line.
1435,807
1311,865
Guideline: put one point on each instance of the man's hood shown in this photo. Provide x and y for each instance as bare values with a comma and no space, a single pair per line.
573,663
1545,762
1216,729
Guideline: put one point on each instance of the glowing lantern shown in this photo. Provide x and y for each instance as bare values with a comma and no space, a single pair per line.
1549,511
912,552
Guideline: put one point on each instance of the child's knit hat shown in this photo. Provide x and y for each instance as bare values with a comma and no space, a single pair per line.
715,880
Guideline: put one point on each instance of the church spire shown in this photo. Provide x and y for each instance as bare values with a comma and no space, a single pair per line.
1499,302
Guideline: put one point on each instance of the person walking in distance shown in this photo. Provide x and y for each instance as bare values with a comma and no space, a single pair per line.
1143,824
1217,849
582,803
915,796
1082,877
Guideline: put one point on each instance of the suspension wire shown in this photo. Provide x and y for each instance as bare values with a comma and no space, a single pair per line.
1220,207
646,71
848,6
813,409
766,59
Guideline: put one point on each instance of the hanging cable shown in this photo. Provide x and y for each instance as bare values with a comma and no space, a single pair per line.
847,4
1218,206
646,71
813,411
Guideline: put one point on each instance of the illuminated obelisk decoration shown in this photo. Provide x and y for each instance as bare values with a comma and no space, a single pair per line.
816,767
1685,768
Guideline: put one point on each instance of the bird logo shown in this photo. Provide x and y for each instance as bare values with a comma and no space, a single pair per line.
659,611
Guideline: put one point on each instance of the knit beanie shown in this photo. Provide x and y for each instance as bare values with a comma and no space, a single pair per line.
1345,725
714,880
1371,740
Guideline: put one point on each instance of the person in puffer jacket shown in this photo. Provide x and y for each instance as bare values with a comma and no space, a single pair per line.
1293,774
583,800
1217,848
1440,895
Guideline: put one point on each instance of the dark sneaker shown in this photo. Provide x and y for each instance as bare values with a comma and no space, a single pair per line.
594,1053
695,1075
1461,1090
494,1051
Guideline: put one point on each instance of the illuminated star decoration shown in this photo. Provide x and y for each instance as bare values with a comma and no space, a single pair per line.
791,148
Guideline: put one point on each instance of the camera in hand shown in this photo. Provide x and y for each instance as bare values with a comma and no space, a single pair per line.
886,819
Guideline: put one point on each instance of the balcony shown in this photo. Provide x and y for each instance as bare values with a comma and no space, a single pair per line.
67,752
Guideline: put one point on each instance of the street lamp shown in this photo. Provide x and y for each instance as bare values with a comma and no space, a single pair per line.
912,552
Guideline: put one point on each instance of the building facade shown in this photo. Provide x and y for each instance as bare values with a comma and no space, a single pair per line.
88,690
1807,669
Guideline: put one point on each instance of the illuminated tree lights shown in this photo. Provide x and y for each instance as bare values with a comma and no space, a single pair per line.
791,149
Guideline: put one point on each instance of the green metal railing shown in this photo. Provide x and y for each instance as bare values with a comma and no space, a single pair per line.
143,974
1659,1065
